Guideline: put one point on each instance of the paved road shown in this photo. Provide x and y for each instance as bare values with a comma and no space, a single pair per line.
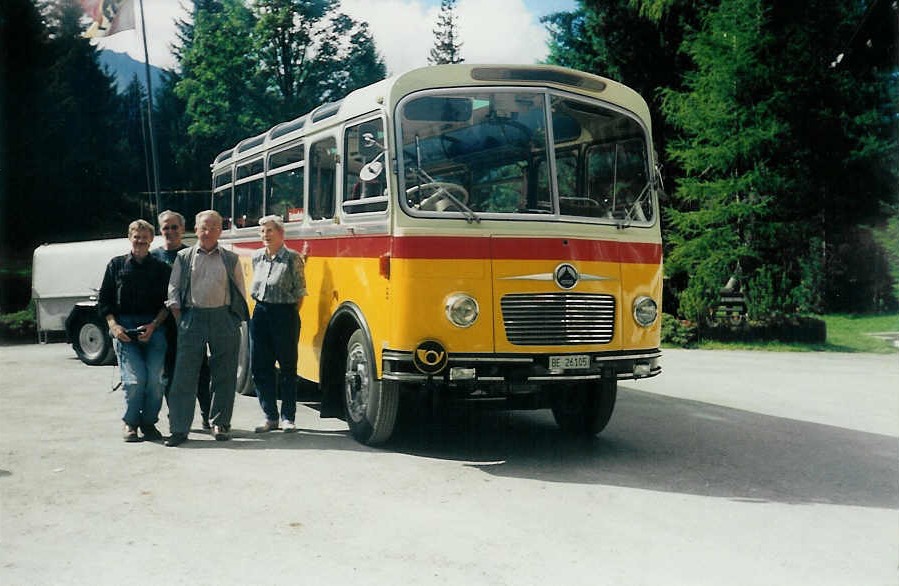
731,468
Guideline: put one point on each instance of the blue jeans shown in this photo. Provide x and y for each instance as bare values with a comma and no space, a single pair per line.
141,365
274,333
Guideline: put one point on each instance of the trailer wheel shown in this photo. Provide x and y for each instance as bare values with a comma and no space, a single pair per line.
92,343
585,409
371,404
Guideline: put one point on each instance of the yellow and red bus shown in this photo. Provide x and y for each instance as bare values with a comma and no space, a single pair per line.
482,233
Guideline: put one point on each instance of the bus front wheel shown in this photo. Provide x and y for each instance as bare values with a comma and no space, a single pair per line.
584,409
371,404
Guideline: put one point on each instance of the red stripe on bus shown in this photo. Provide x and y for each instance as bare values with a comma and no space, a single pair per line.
433,247
474,248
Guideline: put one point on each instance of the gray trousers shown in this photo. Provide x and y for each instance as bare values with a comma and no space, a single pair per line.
220,330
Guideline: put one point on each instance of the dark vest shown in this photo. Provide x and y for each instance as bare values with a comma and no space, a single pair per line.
238,303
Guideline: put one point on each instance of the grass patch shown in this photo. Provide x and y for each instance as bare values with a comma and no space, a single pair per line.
845,333
853,331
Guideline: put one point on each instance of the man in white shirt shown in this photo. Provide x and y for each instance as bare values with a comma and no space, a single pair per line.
208,300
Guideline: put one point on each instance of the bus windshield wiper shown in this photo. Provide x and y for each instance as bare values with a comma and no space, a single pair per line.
634,207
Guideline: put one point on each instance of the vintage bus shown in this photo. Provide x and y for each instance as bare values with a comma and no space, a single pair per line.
475,233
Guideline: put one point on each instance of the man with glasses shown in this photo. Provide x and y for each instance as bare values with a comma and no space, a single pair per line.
171,225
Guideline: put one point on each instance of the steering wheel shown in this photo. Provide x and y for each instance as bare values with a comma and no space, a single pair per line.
441,191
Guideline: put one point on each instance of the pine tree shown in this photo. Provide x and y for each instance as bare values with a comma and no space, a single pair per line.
80,131
783,156
728,125
446,48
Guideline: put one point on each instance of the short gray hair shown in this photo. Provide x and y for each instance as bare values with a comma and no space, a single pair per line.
275,219
139,225
160,218
207,214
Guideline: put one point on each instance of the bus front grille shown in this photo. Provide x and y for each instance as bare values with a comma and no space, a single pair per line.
550,319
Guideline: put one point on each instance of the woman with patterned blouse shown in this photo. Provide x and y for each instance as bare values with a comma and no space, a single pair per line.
278,287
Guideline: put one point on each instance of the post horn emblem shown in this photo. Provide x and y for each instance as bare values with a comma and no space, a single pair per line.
429,357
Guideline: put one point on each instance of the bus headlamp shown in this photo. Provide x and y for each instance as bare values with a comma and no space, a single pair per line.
461,309
645,311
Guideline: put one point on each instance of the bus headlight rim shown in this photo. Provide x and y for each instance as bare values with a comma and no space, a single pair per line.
462,310
646,311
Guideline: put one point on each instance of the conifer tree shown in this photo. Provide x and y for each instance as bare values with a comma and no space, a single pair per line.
447,48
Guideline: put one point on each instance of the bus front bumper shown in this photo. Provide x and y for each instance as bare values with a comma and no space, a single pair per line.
528,370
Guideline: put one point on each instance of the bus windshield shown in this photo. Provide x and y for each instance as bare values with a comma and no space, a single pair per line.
480,153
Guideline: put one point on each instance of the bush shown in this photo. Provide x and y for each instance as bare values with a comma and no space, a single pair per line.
677,332
19,325
778,328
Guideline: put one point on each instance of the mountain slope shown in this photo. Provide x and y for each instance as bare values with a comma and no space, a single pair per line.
124,68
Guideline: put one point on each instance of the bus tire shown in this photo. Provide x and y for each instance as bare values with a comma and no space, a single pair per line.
371,405
584,409
92,343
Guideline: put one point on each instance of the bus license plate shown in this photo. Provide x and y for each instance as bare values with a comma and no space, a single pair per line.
569,362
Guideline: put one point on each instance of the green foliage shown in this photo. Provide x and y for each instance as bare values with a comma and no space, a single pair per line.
66,153
310,53
18,325
763,192
678,332
221,92
845,333
245,68
727,127
887,237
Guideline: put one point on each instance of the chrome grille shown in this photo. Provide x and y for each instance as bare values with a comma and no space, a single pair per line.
550,319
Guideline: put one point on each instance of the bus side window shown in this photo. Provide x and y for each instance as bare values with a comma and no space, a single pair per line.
322,178
221,196
285,184
365,173
248,192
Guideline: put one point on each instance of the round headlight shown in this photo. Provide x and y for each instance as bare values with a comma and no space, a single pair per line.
461,310
645,311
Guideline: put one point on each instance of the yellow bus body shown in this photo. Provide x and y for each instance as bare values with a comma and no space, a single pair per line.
391,273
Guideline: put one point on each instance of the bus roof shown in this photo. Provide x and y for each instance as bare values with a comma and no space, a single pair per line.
386,93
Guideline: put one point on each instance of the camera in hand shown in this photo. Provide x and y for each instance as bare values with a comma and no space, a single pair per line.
134,333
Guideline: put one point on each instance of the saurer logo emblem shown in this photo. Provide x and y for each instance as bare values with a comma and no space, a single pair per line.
566,276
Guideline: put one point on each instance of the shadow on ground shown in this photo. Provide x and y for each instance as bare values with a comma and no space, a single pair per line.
673,445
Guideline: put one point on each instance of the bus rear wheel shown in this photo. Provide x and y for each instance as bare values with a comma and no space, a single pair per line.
585,409
371,404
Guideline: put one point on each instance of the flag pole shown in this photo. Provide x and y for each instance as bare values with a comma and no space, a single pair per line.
143,26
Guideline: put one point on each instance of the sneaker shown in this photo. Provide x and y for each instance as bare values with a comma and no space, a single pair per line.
269,425
150,433
176,439
130,434
288,426
221,433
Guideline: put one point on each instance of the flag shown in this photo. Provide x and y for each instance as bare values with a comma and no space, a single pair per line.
108,17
